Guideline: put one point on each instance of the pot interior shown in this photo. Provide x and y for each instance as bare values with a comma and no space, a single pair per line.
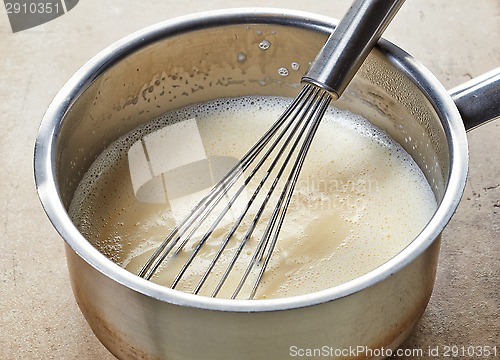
173,65
235,60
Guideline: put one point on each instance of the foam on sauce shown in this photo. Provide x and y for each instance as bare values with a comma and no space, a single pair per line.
359,201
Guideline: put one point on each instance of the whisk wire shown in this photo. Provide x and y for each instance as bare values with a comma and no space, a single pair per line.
218,191
223,187
286,195
308,113
302,117
264,159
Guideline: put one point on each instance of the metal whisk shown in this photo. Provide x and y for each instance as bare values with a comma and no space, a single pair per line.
273,164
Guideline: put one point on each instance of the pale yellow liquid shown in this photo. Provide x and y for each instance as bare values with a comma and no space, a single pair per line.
359,201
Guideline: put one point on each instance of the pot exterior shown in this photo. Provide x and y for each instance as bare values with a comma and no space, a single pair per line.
369,322
121,89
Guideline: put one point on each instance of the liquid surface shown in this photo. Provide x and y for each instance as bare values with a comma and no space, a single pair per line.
360,198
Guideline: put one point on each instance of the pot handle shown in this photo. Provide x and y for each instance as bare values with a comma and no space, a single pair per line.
478,100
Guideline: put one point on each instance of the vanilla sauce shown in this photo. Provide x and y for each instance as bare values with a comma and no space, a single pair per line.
359,201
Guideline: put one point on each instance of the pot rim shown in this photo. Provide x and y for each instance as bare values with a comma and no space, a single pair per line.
45,157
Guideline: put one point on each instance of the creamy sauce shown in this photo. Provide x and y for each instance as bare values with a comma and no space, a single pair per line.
359,201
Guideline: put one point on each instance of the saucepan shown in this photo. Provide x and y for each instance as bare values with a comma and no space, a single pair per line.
217,54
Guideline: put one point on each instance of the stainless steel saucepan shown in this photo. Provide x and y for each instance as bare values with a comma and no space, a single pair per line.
217,54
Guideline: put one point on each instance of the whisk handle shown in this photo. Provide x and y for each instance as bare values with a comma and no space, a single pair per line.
350,43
